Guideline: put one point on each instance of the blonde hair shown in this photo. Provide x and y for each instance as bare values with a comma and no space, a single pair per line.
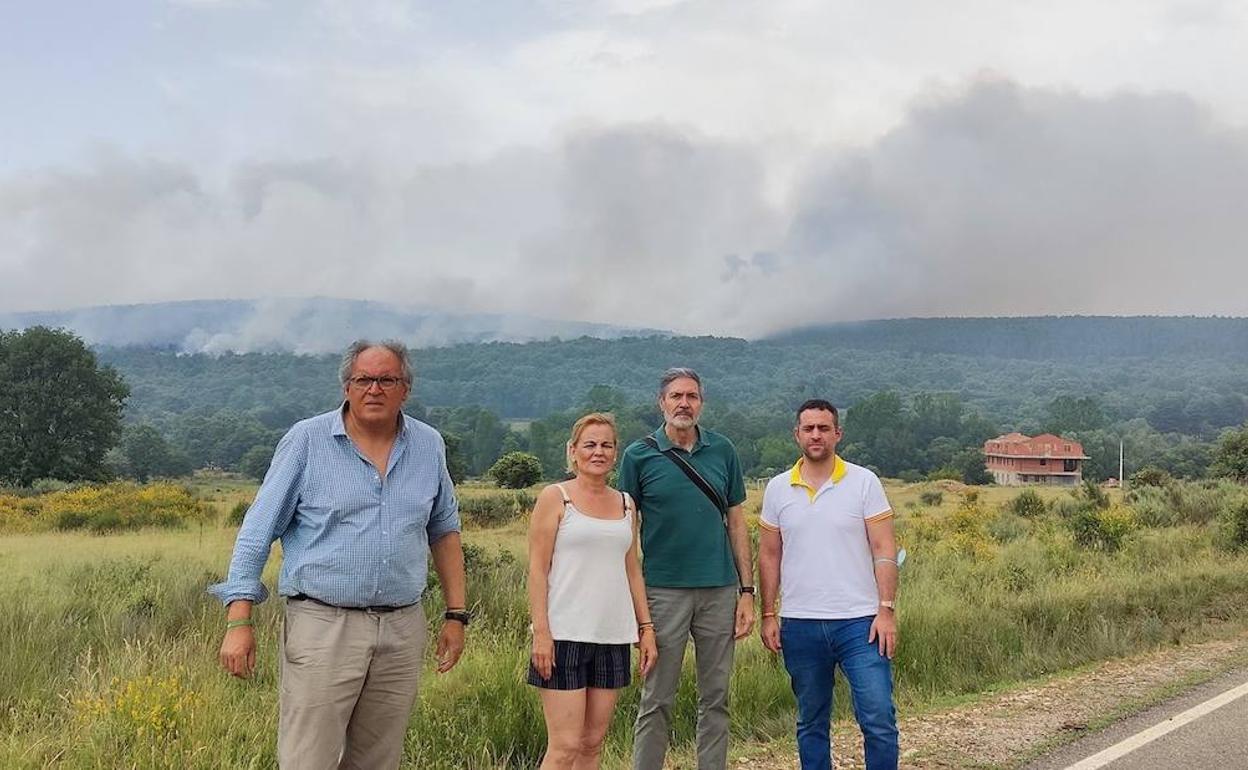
593,418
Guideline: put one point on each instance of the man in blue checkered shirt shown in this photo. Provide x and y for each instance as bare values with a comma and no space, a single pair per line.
360,498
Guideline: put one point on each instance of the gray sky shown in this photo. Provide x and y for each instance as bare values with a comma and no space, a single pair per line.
709,167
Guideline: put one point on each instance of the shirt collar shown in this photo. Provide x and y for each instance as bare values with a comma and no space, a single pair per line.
665,443
795,474
339,426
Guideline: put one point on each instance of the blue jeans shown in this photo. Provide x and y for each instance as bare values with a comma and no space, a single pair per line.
812,649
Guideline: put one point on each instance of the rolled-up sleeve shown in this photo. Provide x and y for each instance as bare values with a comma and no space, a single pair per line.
266,519
444,518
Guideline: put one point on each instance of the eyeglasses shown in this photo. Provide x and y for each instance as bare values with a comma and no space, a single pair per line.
365,383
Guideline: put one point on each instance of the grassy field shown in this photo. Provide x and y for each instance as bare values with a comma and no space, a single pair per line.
108,641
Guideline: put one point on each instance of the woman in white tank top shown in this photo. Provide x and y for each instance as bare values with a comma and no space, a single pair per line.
586,597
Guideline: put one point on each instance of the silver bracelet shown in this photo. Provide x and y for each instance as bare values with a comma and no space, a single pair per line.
886,559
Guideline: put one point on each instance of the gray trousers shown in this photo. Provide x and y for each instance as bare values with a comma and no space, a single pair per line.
709,616
348,682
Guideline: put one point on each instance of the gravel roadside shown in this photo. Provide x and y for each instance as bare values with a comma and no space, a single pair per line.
1008,728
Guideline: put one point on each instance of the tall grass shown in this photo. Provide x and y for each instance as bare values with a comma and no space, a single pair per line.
109,643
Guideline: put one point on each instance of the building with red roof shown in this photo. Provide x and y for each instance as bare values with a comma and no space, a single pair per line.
1015,459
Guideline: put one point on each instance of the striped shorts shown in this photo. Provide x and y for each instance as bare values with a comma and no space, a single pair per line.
584,664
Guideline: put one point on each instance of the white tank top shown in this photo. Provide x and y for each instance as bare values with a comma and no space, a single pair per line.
588,598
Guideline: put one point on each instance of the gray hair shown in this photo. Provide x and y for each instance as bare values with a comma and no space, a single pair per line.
675,373
359,346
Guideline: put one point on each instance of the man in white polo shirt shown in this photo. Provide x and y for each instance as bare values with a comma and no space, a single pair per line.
826,543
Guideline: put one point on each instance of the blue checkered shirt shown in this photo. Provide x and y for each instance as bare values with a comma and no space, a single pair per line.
349,538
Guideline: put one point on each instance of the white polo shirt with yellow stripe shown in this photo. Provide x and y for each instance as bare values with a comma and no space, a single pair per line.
826,568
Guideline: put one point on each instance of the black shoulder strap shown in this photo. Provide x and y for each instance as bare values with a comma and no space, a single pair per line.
711,492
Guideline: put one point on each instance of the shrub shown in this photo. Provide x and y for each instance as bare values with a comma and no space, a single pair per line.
944,473
1153,506
1007,527
1183,502
73,519
1102,529
1150,476
1028,504
968,534
524,502
144,711
105,521
235,517
1233,526
492,510
44,486
118,506
1091,493
517,470
932,499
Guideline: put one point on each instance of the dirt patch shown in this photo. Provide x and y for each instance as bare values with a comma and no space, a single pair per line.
1006,729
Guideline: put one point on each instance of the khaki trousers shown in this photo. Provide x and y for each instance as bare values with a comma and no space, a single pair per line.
348,682
709,616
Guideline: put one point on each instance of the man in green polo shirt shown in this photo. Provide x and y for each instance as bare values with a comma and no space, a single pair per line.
699,576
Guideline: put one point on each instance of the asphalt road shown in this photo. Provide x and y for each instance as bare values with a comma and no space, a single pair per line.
1217,739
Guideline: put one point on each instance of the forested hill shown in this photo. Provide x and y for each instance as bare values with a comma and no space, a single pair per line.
1188,375
1044,338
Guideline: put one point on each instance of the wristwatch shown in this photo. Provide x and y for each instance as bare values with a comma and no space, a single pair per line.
892,605
746,590
461,615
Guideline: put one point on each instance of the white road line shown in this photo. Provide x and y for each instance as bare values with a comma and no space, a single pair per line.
1121,749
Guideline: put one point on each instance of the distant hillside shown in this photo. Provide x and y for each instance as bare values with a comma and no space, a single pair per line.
1196,387
295,325
1043,338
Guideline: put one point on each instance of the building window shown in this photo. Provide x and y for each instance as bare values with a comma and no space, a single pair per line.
1070,466
1044,461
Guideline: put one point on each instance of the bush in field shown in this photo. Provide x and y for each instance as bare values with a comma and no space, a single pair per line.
235,517
143,711
103,508
1090,493
1150,476
1102,529
494,510
524,501
1007,527
968,532
1233,526
517,470
1028,504
44,486
1198,502
932,499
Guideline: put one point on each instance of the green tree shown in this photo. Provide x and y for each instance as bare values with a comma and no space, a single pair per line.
517,470
145,454
1230,459
255,461
1150,476
456,465
1068,414
971,466
60,412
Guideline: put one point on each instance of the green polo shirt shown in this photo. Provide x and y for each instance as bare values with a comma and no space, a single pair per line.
683,540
